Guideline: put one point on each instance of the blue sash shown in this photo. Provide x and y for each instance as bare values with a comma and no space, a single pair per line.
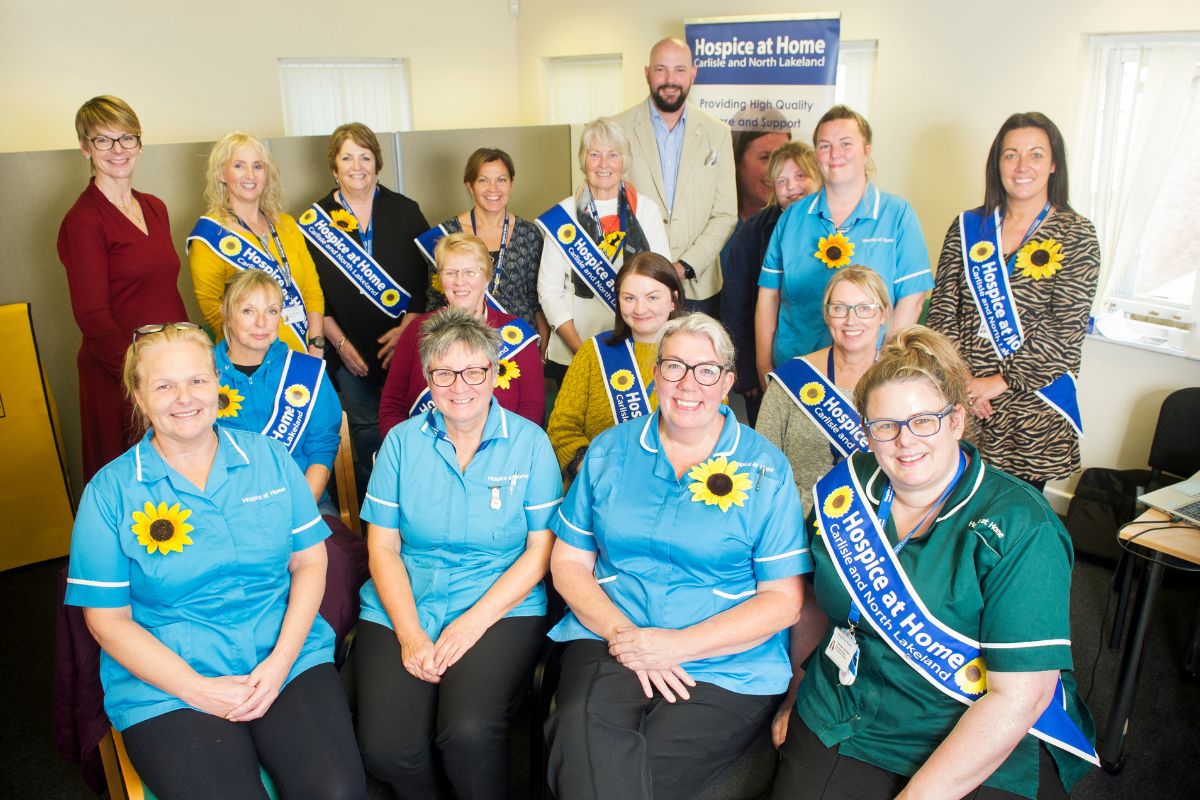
354,261
824,404
295,398
237,251
426,243
1062,394
588,261
871,573
515,336
623,384
987,278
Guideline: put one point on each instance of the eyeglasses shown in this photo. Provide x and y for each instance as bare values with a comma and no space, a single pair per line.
159,327
706,373
862,310
470,273
445,378
128,141
923,425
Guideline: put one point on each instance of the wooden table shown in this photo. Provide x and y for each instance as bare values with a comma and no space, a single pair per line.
1182,541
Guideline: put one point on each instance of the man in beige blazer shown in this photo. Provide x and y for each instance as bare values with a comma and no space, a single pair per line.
683,159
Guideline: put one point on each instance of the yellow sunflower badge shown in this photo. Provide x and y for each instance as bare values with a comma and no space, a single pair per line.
718,483
343,220
229,402
308,217
230,245
972,677
389,297
621,380
835,250
812,393
507,371
1039,260
982,251
511,334
838,502
566,233
162,530
436,283
296,395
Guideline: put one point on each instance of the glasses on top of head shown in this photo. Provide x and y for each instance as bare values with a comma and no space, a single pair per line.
861,310
470,273
472,376
923,425
706,373
128,141
159,327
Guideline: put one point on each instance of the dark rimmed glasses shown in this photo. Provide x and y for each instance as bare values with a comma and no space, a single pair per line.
445,378
923,425
128,141
159,327
706,373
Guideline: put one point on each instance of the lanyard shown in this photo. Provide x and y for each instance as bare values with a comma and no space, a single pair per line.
366,232
621,221
1037,223
498,272
885,511
286,268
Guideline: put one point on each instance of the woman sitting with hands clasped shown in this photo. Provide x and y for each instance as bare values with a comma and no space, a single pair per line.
199,559
459,504
680,549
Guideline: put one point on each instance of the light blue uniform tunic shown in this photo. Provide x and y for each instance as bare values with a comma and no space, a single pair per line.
887,238
218,603
669,560
456,539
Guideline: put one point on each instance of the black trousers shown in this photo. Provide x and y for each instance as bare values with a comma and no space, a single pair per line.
810,770
402,719
305,741
608,741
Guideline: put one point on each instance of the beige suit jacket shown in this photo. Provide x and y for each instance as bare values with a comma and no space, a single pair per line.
705,193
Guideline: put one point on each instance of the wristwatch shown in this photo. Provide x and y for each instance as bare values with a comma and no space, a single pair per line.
688,272
318,341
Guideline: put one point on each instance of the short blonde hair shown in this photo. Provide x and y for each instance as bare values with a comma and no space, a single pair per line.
605,131
216,193
244,283
108,111
799,153
700,324
456,326
131,378
462,243
917,353
864,278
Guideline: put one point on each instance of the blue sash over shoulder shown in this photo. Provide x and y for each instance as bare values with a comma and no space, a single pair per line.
588,261
427,243
987,278
628,396
237,251
354,261
295,398
822,403
871,572
515,336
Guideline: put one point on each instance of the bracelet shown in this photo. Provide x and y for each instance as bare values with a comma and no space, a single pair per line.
338,346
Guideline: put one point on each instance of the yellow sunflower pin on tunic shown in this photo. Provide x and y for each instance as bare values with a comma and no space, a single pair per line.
162,530
718,483
343,220
1039,260
972,677
229,402
507,371
436,283
835,250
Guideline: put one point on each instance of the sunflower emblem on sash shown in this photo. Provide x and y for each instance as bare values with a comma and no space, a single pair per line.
566,233
718,483
162,530
507,371
812,393
972,677
1039,260
837,502
436,283
982,251
610,245
621,380
389,297
511,334
229,402
343,220
296,395
230,245
834,250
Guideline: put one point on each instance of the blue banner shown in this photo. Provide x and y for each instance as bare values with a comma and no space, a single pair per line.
295,398
1062,394
987,278
354,262
588,261
626,391
822,403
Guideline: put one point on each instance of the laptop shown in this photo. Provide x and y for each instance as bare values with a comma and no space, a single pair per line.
1177,500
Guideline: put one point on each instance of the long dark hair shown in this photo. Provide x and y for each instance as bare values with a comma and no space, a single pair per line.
1057,188
655,267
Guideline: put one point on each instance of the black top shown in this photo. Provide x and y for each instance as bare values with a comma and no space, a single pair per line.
739,293
396,220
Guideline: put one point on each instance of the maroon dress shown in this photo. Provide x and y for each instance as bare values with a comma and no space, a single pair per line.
119,279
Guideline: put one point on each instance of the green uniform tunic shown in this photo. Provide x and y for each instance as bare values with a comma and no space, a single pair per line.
994,566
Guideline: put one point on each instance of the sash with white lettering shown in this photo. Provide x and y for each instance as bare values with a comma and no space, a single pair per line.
588,261
987,278
1062,394
427,242
871,573
239,253
295,398
824,404
515,336
354,261
623,384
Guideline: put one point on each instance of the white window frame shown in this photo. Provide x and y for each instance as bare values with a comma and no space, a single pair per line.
596,78
321,93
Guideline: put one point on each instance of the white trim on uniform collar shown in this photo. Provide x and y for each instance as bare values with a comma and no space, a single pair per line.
137,459
645,430
812,207
736,439
875,206
970,494
241,452
503,421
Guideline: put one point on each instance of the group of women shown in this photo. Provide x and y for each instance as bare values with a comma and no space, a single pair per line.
716,577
